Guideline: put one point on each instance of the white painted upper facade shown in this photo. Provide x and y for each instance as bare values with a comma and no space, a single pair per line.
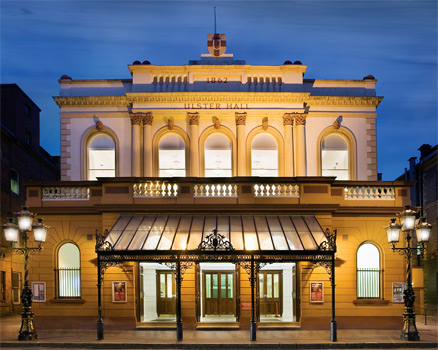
211,96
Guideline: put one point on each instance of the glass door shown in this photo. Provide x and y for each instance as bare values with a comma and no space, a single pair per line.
219,293
270,293
166,298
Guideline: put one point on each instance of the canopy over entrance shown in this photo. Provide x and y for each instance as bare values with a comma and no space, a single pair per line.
244,232
180,241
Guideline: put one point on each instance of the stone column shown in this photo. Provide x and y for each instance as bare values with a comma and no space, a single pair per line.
194,143
300,122
241,147
288,120
136,119
147,144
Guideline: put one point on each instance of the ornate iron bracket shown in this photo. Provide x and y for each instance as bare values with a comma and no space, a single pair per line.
408,250
31,251
104,265
184,266
330,243
247,267
215,241
101,243
327,265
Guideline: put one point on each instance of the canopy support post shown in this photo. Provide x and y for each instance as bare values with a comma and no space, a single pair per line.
333,324
99,298
179,324
253,325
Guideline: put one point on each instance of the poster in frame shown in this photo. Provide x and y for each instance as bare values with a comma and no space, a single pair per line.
398,289
317,292
119,292
39,292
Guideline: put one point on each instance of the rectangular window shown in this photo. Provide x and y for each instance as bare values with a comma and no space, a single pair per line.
28,137
16,287
15,184
3,286
27,110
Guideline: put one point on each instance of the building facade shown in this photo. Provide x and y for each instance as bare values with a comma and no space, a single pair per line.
196,171
424,194
22,159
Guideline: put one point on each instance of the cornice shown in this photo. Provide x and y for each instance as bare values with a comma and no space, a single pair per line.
218,97
91,101
362,101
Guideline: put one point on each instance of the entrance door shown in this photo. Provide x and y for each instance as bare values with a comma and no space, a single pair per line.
166,302
270,292
219,293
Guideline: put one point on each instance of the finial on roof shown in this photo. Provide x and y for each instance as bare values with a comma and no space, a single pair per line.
215,20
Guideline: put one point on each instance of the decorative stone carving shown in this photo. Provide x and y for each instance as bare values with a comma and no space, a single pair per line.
170,124
288,119
265,124
300,118
241,118
148,118
337,123
136,118
99,125
193,118
216,123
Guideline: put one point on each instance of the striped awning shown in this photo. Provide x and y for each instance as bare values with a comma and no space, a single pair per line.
244,232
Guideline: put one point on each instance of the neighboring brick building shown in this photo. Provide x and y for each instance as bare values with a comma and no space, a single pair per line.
22,159
425,194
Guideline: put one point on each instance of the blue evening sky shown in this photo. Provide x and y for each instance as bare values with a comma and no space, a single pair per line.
396,41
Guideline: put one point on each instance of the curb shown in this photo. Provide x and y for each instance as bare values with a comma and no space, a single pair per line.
371,345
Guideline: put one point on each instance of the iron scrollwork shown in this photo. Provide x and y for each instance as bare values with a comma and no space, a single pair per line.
215,241
327,265
247,267
184,266
101,243
330,242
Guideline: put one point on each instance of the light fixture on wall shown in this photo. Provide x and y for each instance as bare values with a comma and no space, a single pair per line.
422,231
17,233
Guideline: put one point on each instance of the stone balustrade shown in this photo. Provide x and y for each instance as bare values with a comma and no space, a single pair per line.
65,193
276,190
152,189
369,192
215,190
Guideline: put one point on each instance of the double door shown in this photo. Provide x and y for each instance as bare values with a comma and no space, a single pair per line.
219,293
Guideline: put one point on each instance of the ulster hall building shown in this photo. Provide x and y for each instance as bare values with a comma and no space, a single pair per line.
218,194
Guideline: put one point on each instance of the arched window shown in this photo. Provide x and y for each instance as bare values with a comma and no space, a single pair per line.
171,156
264,155
68,272
217,156
101,157
335,157
369,273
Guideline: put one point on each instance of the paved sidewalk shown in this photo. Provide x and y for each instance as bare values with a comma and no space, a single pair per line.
218,339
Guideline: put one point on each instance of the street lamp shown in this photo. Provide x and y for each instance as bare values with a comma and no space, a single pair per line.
12,232
407,225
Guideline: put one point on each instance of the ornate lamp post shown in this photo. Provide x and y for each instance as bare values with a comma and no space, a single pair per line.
12,231
407,225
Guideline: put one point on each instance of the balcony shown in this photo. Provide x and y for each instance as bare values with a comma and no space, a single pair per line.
252,193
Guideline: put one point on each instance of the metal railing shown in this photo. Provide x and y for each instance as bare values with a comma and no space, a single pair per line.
369,282
68,281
